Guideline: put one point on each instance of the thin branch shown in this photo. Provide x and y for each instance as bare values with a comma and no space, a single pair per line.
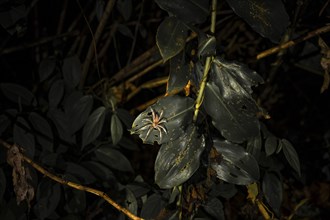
75,185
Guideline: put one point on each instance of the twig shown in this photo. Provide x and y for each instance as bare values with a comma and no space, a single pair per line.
75,185
92,46
291,43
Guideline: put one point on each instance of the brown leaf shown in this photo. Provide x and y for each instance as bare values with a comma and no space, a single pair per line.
325,63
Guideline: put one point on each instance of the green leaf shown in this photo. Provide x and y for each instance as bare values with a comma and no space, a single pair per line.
214,207
46,140
24,138
56,93
179,74
223,189
171,37
273,191
152,207
2,184
113,158
125,8
229,102
131,202
18,94
93,126
177,114
267,17
236,165
116,129
80,172
71,71
189,11
254,146
75,200
99,170
270,145
291,155
78,112
178,160
46,68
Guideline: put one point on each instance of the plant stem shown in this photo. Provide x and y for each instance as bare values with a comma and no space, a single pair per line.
200,96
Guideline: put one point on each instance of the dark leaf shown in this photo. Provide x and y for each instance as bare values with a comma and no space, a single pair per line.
177,114
61,121
80,172
78,112
139,189
99,8
24,138
56,93
4,123
116,129
75,199
93,126
125,8
178,160
48,198
124,30
42,126
270,145
99,170
171,37
18,94
113,158
236,165
207,47
224,190
46,68
71,71
254,146
214,207
128,144
2,184
179,74
291,155
152,207
267,17
189,11
131,202
272,189
125,117
229,102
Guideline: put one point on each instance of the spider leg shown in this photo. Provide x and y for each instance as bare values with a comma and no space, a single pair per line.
160,134
148,133
163,128
143,127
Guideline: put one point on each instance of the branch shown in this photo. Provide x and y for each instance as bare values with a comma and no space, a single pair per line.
74,185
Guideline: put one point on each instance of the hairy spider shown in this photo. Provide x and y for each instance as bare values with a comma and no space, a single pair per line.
156,122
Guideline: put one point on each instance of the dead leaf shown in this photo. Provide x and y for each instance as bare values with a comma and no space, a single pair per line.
325,63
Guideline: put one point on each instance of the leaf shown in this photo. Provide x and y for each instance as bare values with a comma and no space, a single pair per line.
113,158
24,138
48,198
177,113
125,8
18,94
128,144
229,102
116,129
273,191
3,184
46,138
152,207
254,146
291,155
131,202
236,165
124,30
171,37
99,170
178,160
179,74
270,145
189,11
206,46
214,207
46,68
93,126
80,172
78,112
75,200
4,123
125,117
99,8
71,71
56,93
267,17
225,190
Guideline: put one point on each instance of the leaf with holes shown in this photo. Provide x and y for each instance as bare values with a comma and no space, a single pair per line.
116,129
18,94
178,160
236,165
291,155
93,126
171,37
229,102
267,17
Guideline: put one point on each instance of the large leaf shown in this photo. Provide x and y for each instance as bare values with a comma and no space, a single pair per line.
18,94
267,17
56,93
71,71
42,126
93,126
78,112
171,37
116,129
179,74
235,165
291,155
152,207
229,102
177,114
272,189
178,160
24,137
113,158
189,11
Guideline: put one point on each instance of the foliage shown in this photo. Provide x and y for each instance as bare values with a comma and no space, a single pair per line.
74,117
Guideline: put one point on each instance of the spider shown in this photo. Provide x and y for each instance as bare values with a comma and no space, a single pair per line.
155,123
